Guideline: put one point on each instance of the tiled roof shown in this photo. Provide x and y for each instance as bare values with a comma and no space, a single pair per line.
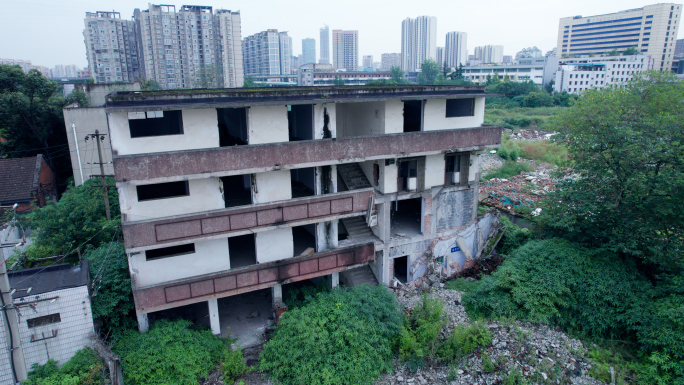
18,177
46,279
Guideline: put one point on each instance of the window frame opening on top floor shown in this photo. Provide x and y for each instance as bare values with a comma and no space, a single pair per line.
168,252
156,191
155,123
232,126
300,122
237,190
458,108
413,115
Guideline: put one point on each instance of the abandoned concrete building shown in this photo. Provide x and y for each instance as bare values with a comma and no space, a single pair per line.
227,192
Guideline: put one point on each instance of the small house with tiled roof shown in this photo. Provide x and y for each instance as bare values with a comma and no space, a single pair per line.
26,180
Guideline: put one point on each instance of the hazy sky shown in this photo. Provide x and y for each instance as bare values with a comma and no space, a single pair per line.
50,32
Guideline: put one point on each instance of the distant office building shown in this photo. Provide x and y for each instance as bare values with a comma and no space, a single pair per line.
489,54
679,48
267,53
389,60
61,71
367,61
296,61
552,52
308,51
440,56
345,49
418,42
575,75
325,45
456,49
111,48
528,52
507,59
540,70
652,30
228,34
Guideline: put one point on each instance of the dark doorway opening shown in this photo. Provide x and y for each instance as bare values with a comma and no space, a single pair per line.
197,313
242,251
232,124
401,269
303,182
300,122
237,190
406,217
413,115
304,239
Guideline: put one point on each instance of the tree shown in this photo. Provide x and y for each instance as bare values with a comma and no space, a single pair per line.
149,85
338,81
428,72
630,51
549,86
209,77
538,99
627,144
249,82
446,70
77,96
397,75
614,52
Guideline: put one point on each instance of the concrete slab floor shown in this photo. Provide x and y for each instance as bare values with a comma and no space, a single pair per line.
236,315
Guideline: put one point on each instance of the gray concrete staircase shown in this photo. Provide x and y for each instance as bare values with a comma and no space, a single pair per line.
360,276
356,227
352,176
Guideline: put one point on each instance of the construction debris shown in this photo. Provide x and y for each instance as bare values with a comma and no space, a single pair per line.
520,191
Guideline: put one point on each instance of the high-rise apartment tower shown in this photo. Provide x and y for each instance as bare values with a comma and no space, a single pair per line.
418,42
308,51
325,45
111,47
345,49
456,49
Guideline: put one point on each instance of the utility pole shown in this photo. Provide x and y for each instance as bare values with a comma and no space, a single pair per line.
98,138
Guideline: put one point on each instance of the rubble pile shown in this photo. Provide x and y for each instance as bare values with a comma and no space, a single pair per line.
531,135
522,190
490,162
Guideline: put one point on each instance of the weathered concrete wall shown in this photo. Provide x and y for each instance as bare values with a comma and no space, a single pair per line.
209,256
86,121
204,195
200,130
274,245
272,186
320,111
434,170
394,117
454,208
267,124
434,116
360,119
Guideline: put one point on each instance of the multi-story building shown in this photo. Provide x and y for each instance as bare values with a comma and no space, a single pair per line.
325,45
540,70
231,192
679,48
507,59
367,62
456,49
418,42
308,51
228,35
575,75
111,47
61,71
651,30
345,47
25,65
489,54
528,52
267,53
315,77
389,60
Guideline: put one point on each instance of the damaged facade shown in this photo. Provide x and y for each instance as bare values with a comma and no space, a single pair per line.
224,192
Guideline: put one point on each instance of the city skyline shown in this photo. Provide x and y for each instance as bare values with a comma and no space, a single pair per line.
48,44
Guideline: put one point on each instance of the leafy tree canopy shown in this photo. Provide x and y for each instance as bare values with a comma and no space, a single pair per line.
428,72
630,51
397,75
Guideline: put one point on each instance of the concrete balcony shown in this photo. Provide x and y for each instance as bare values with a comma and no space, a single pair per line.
250,278
225,161
180,229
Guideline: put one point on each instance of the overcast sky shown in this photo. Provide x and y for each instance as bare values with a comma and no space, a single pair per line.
50,32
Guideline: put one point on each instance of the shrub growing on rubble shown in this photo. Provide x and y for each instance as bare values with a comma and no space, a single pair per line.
418,338
340,337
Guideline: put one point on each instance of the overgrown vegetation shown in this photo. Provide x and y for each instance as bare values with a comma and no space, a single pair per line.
417,342
543,151
465,340
84,368
508,169
339,337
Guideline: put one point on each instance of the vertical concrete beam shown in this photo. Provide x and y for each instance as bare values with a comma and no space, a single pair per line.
143,322
333,177
214,317
322,236
277,294
334,280
333,234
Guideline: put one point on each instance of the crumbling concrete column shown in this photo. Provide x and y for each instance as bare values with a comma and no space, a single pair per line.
334,280
277,294
333,234
143,322
214,316
333,177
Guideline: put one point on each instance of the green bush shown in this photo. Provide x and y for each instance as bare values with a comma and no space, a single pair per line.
169,353
514,237
340,337
487,364
508,170
84,368
464,340
300,296
461,284
418,338
232,365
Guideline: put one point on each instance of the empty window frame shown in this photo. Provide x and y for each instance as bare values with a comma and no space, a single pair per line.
232,124
237,190
300,122
407,175
413,115
155,123
460,107
457,166
43,320
172,251
150,192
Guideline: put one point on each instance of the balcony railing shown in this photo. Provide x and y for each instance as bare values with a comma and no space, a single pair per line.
250,278
169,231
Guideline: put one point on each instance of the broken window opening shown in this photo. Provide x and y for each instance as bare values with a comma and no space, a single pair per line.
232,125
303,181
237,190
401,269
407,175
407,217
242,251
162,190
342,232
413,115
168,252
457,166
300,122
155,123
460,107
304,239
43,320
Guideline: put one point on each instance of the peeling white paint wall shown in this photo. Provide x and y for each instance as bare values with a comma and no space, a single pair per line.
200,130
209,256
274,245
205,195
434,170
272,186
434,116
267,124
319,122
